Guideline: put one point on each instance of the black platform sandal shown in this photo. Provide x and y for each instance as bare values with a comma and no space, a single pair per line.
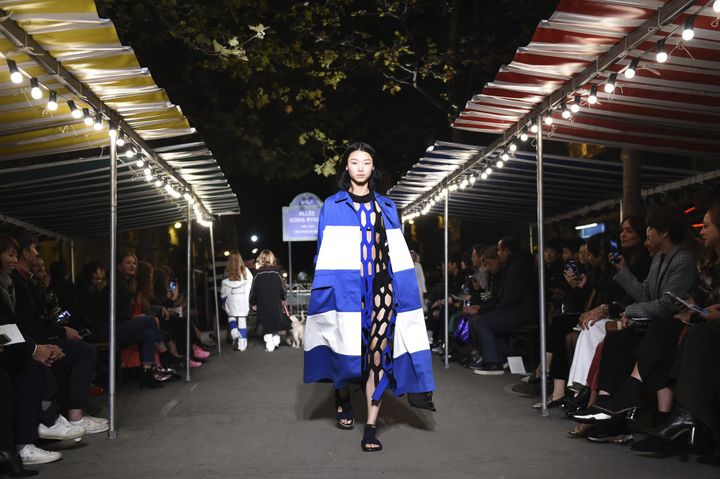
346,418
369,442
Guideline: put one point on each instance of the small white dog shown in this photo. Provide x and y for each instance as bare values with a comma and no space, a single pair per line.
296,335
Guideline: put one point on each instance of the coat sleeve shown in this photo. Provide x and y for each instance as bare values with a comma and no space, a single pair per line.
637,290
253,293
321,229
249,278
224,292
680,278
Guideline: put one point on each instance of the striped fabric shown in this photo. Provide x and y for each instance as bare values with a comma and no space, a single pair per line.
333,331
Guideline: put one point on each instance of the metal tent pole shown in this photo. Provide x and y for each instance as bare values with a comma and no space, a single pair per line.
532,239
447,310
214,282
290,274
188,291
541,267
72,261
112,432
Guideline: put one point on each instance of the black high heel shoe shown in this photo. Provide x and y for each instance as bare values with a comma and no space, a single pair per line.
148,380
681,422
345,419
369,442
11,465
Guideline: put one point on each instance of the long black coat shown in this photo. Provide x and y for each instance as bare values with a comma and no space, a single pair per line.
268,293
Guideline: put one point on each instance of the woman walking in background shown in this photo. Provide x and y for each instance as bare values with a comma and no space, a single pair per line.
268,297
365,321
235,297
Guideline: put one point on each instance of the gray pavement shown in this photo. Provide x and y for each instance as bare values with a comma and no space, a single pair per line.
249,415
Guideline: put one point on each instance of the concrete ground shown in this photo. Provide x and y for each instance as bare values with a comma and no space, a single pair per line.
249,415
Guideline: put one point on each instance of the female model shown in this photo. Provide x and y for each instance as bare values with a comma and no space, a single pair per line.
365,321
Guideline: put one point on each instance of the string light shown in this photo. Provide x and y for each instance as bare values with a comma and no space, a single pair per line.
74,110
534,128
565,112
149,174
512,147
484,175
500,163
505,156
15,76
548,119
632,69
120,140
610,84
52,101
464,183
524,136
716,6
592,98
662,55
472,179
575,105
98,122
35,90
488,171
87,119
140,163
689,29
112,131
159,183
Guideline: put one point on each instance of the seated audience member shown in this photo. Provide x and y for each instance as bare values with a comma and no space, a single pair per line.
436,316
75,369
136,329
634,252
571,249
695,371
93,309
631,360
67,294
517,306
554,275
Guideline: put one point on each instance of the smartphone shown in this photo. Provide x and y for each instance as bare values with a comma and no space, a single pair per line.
614,251
64,316
4,339
692,307
572,266
173,285
84,333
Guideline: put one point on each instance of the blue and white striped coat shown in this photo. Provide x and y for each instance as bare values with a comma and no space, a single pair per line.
333,333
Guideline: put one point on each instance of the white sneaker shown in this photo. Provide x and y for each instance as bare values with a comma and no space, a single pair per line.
31,454
100,420
276,340
91,425
61,430
269,343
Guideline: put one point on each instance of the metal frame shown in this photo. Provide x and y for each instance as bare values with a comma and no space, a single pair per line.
214,281
188,293
112,284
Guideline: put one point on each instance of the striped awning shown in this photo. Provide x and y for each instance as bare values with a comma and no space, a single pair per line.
671,107
78,56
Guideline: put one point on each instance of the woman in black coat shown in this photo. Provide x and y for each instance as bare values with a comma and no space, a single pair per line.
267,296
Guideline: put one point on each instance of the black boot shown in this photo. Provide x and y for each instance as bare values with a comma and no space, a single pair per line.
624,402
11,465
679,423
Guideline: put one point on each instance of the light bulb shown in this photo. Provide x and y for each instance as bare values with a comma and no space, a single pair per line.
74,110
139,163
575,106
52,101
505,156
112,133
689,29
534,128
87,119
484,175
592,98
488,171
35,90
464,183
158,183
632,69
473,179
15,76
565,112
120,140
662,55
610,84
523,136
500,163
98,122
130,153
548,119
716,6
512,147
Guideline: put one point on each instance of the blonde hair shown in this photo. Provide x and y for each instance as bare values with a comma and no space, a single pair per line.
235,269
266,259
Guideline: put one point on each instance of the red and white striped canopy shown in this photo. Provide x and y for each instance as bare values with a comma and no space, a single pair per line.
671,107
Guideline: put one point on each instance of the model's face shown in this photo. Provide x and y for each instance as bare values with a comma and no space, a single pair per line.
628,237
128,266
8,260
360,167
709,232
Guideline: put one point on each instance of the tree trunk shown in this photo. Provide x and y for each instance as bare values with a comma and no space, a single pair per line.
632,202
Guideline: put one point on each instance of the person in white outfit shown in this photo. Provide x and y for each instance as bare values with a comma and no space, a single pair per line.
235,297
420,275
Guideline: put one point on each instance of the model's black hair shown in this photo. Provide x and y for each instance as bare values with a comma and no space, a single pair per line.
343,175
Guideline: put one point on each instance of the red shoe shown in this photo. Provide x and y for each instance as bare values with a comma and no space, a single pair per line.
199,352
195,364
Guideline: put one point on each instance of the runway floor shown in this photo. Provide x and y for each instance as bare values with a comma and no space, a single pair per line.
249,415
